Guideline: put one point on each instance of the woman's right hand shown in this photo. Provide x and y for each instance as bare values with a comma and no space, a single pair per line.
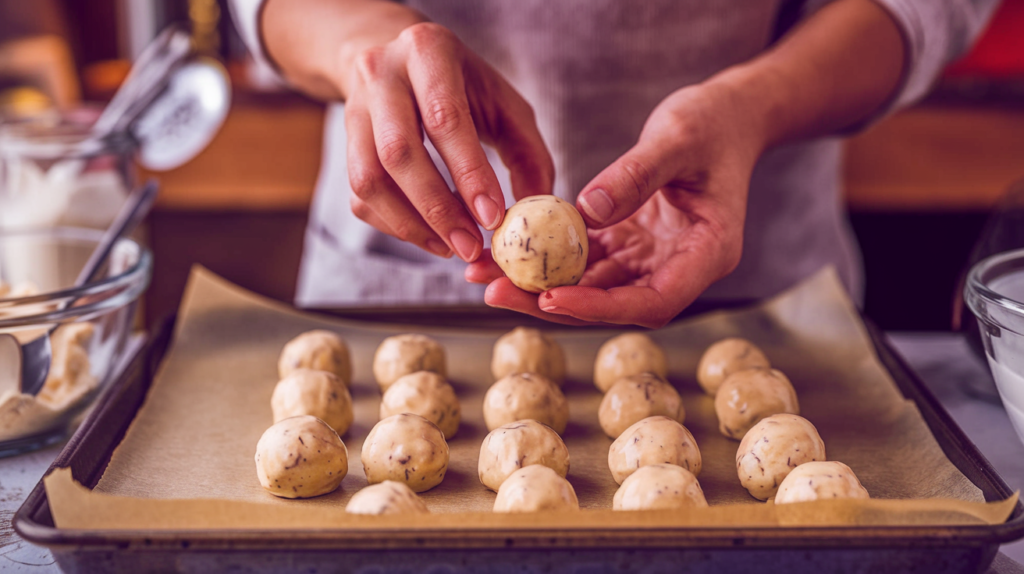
427,81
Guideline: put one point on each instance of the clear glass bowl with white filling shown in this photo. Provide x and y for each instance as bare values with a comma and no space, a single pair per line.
995,294
37,270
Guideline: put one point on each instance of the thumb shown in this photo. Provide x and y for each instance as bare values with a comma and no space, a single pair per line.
625,185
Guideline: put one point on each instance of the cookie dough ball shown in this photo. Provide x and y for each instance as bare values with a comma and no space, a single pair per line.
317,393
518,445
525,350
820,480
654,440
635,398
406,448
388,497
301,457
525,396
750,395
426,394
626,355
725,358
535,488
319,350
541,244
773,448
402,355
659,487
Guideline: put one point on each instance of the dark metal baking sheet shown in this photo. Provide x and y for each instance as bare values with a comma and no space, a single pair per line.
834,549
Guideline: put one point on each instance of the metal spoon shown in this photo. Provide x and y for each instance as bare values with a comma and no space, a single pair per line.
36,355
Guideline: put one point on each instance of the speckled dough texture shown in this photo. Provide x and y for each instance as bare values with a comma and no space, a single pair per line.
654,440
527,350
317,393
525,396
635,398
405,354
659,487
725,358
533,489
773,448
625,355
300,457
517,445
320,350
541,244
405,448
820,480
750,395
388,497
426,394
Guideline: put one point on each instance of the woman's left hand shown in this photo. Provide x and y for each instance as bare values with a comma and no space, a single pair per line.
665,220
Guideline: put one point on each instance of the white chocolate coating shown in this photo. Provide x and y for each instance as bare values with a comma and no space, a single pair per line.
317,393
525,396
406,448
402,355
320,350
526,350
388,497
535,488
654,440
820,480
517,445
725,358
772,449
626,355
635,398
541,244
301,457
426,394
750,395
659,487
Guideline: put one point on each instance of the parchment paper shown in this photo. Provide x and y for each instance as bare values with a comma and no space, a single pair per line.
193,440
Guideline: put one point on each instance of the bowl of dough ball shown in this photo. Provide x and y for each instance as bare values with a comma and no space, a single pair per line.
93,324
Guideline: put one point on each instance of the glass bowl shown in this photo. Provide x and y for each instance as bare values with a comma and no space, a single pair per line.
37,269
995,294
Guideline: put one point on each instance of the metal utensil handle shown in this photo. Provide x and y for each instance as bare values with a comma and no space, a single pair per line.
134,210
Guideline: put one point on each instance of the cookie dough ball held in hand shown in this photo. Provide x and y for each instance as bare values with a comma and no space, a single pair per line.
301,457
526,350
626,355
635,398
406,448
525,396
426,394
772,449
654,440
659,487
388,497
750,395
318,350
317,393
518,445
402,355
535,488
820,480
726,357
541,244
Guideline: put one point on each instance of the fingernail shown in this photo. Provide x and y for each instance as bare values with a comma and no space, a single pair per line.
551,309
597,204
487,210
464,243
439,248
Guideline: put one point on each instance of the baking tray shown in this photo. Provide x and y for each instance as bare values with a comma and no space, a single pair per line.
817,549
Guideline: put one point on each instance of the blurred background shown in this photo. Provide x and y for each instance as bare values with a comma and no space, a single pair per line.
920,185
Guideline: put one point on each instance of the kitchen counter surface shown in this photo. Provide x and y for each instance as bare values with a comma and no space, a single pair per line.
943,360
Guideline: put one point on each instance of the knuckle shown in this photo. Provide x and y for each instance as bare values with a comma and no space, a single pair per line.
368,62
403,230
639,177
394,150
426,35
439,213
469,176
360,209
364,182
443,116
